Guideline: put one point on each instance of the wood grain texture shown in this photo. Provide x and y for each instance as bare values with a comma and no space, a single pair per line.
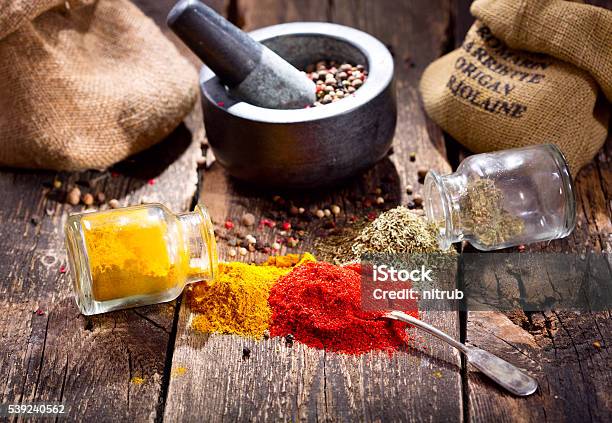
300,383
567,352
158,11
60,355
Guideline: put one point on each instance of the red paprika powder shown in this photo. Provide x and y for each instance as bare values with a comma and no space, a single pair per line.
320,305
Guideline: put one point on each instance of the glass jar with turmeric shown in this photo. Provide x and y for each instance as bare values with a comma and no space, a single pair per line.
137,255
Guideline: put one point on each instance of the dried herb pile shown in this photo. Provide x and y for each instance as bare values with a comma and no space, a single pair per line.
395,231
482,214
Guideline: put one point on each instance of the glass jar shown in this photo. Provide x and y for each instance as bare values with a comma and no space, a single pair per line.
136,256
503,199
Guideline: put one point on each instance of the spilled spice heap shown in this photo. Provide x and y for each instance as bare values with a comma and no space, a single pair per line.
482,214
236,302
319,304
395,231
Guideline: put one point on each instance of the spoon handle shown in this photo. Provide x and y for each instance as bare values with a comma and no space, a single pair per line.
500,371
399,315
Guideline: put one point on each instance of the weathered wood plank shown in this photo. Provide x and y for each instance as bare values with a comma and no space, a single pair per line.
60,355
281,383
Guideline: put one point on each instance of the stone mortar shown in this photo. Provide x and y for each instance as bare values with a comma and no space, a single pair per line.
307,147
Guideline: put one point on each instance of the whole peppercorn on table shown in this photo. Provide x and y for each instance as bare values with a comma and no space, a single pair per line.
149,364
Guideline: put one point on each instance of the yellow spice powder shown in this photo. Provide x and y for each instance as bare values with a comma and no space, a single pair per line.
128,255
237,300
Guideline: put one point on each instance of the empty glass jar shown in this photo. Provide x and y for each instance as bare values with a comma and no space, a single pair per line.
138,255
503,199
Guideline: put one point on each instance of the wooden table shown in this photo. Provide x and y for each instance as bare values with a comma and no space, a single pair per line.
89,363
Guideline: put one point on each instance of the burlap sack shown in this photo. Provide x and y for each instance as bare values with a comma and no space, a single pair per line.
489,96
86,83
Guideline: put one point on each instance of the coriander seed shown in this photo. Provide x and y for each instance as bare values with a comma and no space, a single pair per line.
74,196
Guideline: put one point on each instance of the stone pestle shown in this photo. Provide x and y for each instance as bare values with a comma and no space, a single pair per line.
252,72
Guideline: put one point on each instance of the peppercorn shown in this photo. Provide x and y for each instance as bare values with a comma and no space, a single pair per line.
88,199
327,212
229,224
418,200
289,340
320,214
334,83
246,353
335,209
422,172
248,219
74,196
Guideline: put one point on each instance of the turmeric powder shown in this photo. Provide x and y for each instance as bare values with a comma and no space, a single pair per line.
237,300
128,255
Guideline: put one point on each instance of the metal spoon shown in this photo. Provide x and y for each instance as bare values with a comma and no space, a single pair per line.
500,371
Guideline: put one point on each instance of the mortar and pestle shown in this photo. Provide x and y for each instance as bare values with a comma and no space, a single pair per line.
255,99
